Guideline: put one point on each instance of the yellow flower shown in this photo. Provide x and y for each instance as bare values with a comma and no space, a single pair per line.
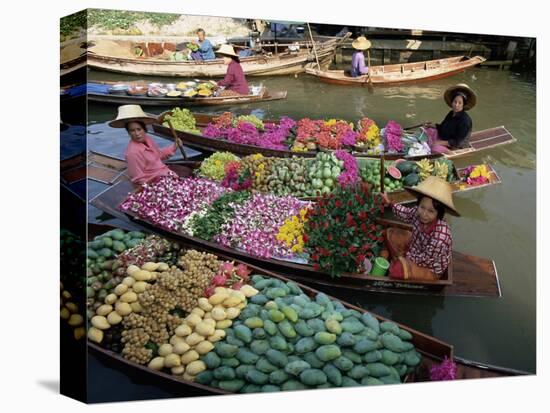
257,174
331,122
257,156
261,167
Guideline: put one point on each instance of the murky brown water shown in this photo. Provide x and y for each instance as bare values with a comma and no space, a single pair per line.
498,222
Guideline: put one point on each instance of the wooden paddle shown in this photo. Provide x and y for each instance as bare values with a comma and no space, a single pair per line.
414,126
176,140
369,80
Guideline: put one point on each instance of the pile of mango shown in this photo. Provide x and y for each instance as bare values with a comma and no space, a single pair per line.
285,340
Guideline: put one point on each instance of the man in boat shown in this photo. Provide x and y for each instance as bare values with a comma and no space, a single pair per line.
234,82
143,156
205,50
358,67
454,132
425,252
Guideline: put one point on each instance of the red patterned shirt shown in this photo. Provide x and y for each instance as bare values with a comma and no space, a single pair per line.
430,246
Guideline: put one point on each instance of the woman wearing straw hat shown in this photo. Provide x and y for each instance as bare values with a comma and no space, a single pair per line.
425,252
143,156
358,67
234,81
454,132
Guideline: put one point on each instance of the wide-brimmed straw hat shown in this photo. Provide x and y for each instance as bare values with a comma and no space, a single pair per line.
361,43
130,113
438,189
471,98
227,50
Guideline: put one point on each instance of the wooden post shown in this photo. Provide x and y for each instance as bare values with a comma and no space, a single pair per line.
314,48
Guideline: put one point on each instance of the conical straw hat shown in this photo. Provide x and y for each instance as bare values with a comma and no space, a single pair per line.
471,98
227,50
438,189
361,43
131,113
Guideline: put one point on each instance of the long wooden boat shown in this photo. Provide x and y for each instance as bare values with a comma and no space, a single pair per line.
467,276
263,65
479,141
400,73
433,350
117,99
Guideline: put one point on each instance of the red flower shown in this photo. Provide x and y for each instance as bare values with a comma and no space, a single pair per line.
329,237
305,238
363,227
363,216
316,267
342,242
352,249
350,204
337,204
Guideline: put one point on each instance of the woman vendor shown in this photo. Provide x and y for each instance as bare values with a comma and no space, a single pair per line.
358,67
143,156
234,81
425,252
205,50
454,132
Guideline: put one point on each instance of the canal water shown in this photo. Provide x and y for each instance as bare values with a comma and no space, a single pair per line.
497,222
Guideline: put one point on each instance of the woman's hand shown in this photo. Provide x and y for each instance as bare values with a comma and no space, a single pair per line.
385,198
178,142
429,124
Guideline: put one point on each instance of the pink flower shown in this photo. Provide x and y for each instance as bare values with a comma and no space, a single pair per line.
242,271
444,371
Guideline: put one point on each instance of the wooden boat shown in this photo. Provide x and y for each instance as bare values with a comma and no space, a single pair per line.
263,65
479,141
118,99
433,350
467,276
400,73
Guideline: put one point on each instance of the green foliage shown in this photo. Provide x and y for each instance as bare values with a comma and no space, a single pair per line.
121,19
72,24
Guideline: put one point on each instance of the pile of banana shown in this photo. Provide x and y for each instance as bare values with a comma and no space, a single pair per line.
441,170
425,168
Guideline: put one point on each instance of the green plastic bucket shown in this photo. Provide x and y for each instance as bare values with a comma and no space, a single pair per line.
380,267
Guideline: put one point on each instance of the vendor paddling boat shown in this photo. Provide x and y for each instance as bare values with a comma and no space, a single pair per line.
400,73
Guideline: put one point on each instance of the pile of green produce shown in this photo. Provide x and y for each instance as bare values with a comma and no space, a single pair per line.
73,257
213,167
101,263
284,340
257,122
323,173
182,120
288,177
370,172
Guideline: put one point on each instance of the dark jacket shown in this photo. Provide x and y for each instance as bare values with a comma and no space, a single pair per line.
455,129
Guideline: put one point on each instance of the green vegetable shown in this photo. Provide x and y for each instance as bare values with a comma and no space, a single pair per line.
333,374
389,358
276,357
270,327
254,322
305,345
378,369
259,347
313,377
296,367
224,373
372,356
286,329
346,340
225,350
204,377
323,337
257,377
278,343
245,356
303,328
343,363
243,333
290,314
230,362
348,382
293,385
328,352
268,388
231,385
265,366
392,342
241,370
364,346
358,372
278,377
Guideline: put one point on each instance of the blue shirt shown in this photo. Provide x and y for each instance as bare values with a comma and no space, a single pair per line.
206,50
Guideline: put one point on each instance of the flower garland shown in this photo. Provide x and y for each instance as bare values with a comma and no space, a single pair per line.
292,231
478,175
350,176
392,133
168,201
256,224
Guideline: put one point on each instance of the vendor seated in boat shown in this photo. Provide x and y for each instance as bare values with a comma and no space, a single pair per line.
143,156
358,67
425,252
234,82
205,50
454,132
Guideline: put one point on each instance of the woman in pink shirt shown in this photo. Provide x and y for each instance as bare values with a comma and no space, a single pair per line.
143,156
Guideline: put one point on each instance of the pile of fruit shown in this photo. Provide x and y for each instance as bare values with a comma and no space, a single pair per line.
403,173
182,120
191,89
323,173
285,340
213,167
288,177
